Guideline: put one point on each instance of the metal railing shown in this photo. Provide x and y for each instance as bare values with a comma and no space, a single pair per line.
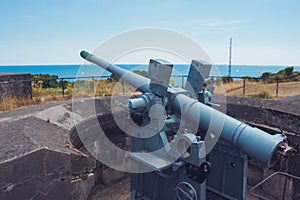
263,191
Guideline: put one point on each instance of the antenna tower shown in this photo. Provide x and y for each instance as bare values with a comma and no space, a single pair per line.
230,50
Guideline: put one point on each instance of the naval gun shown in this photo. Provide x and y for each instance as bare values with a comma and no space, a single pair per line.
184,128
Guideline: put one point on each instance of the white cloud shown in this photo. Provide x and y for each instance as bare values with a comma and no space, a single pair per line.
207,25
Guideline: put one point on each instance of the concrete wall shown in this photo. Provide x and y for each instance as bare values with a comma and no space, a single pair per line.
15,85
45,174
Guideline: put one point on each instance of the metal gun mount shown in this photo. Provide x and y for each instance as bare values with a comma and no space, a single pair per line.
180,119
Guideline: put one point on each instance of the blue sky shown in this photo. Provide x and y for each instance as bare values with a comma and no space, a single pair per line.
54,31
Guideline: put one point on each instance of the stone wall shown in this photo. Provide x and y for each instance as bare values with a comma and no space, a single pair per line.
15,86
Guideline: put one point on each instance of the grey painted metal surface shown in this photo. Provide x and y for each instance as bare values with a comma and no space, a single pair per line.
199,71
230,169
35,164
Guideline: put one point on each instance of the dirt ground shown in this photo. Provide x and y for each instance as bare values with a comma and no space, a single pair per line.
119,190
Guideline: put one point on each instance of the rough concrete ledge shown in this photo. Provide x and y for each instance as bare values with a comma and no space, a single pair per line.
28,134
27,175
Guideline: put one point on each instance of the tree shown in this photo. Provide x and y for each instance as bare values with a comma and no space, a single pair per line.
116,78
289,71
48,81
141,73
113,78
265,75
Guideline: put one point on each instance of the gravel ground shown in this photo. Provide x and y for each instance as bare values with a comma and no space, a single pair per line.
118,191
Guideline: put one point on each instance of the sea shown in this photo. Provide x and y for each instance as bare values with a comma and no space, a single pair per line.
74,71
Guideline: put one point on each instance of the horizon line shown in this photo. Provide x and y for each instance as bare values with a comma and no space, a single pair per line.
70,64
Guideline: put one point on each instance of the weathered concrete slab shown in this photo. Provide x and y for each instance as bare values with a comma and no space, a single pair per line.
27,134
35,164
60,115
31,173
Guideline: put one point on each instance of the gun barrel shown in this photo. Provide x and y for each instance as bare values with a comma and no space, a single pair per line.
139,82
254,142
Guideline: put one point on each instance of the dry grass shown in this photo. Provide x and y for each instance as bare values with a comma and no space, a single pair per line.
261,90
232,86
41,97
9,103
82,89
